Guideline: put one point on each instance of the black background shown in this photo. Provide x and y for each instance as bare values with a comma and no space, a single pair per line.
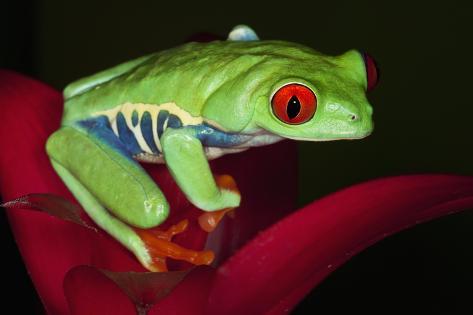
423,116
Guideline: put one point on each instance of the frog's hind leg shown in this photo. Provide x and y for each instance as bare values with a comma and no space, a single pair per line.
101,174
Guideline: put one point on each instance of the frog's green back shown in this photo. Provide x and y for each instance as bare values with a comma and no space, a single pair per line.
187,75
85,84
221,81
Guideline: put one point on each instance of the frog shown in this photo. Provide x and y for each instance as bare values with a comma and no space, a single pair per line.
187,105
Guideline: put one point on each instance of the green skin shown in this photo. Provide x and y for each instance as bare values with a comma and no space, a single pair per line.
226,84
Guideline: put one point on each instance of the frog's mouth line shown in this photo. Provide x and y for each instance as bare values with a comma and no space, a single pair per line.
354,137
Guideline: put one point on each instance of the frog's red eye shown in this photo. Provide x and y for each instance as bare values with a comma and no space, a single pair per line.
294,104
372,72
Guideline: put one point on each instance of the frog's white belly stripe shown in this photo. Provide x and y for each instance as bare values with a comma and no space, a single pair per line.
155,131
165,125
211,153
113,123
127,110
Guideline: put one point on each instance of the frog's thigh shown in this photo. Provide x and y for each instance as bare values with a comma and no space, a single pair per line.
118,182
119,230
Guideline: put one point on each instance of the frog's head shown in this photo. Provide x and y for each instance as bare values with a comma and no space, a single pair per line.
321,98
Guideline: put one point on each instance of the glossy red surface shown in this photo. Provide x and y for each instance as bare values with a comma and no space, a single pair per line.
372,72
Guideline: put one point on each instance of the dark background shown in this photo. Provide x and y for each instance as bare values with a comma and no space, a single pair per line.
423,116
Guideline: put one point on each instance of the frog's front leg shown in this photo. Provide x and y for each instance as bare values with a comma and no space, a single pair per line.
186,160
101,174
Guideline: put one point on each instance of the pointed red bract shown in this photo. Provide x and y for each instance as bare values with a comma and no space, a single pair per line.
276,269
90,292
189,297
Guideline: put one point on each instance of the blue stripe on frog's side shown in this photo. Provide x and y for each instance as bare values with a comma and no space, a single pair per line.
174,122
134,118
207,134
100,128
163,114
147,131
127,136
127,143
213,137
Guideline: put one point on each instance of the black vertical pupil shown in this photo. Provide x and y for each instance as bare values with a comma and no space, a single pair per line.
293,107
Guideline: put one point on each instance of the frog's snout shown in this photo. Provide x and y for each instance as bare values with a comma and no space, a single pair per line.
360,123
344,114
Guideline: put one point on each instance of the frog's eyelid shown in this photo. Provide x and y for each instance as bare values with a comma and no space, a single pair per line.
288,83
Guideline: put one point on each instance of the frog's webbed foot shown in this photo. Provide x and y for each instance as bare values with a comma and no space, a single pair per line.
160,246
159,242
209,221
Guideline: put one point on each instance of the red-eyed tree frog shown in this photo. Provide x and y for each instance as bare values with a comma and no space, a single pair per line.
189,104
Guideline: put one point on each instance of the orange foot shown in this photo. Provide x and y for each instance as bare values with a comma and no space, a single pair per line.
160,247
208,221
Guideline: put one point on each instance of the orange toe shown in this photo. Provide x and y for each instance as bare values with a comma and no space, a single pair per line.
209,221
160,247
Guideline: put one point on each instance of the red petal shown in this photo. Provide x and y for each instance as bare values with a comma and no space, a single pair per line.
275,270
189,296
90,292
268,188
30,111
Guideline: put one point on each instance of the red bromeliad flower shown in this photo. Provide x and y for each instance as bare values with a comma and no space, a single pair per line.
268,257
